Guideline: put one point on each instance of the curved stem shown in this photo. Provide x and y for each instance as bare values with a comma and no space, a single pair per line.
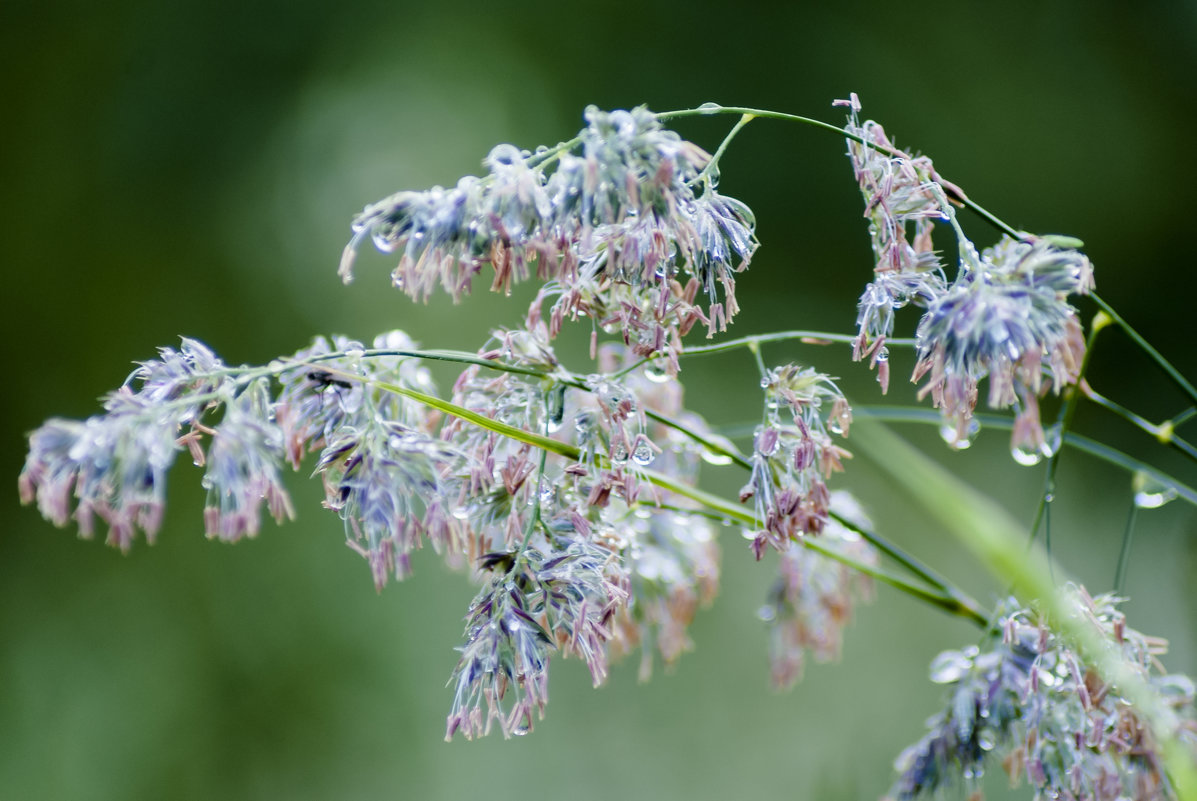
1124,552
1164,432
955,602
1154,354
713,165
906,414
1065,423
809,337
949,599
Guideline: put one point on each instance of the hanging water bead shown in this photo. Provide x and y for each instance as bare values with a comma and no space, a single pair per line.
954,440
1150,493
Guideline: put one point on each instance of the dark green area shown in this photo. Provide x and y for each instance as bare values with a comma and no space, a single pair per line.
187,168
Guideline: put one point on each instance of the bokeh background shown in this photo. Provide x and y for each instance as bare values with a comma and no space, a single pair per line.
191,168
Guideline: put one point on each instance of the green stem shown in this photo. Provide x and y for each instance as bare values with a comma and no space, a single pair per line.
712,165
955,602
1124,552
534,518
949,600
1154,354
1065,423
905,414
812,337
1163,433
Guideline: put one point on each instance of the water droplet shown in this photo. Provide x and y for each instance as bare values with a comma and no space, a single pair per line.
619,454
460,512
766,614
1151,493
520,729
986,740
1027,457
949,666
709,108
654,371
355,349
882,354
548,493
948,432
643,455
835,426
716,459
1051,440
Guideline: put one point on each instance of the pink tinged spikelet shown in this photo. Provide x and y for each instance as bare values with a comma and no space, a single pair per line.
595,227
1027,697
812,600
1006,318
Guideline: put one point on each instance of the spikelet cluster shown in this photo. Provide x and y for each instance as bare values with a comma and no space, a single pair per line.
1004,317
1026,700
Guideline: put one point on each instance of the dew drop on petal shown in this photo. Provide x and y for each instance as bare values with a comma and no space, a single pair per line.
1027,457
986,739
654,372
948,432
619,454
642,455
882,354
1151,494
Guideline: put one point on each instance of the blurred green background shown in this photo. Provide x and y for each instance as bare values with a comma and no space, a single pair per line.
191,168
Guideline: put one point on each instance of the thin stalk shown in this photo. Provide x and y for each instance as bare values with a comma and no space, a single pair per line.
907,414
534,518
712,109
1124,553
950,599
956,603
1184,416
736,457
1163,432
897,554
1155,355
812,337
713,164
1065,423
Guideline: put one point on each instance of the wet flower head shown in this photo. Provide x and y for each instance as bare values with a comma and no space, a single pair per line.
626,231
1006,318
1024,698
794,453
